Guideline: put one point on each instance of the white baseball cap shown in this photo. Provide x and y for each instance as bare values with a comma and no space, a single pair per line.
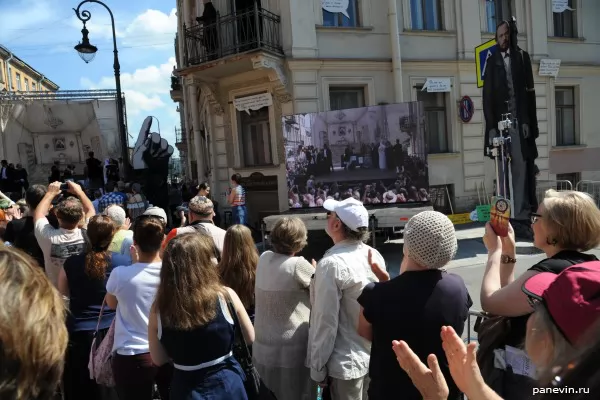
350,211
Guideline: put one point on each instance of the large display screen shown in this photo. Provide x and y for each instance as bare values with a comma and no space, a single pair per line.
377,155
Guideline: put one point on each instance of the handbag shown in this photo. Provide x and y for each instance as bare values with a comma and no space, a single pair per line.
100,363
255,387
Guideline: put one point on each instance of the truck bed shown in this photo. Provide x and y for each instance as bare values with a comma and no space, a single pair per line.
382,216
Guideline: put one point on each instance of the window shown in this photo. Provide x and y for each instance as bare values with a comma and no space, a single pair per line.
496,11
26,85
345,97
426,15
18,77
33,86
573,178
435,121
339,19
565,116
256,138
564,23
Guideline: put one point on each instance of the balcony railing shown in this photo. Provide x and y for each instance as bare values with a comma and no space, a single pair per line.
254,29
178,138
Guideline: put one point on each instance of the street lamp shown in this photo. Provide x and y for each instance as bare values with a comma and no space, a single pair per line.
87,52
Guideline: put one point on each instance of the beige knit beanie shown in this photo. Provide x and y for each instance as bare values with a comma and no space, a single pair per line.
430,240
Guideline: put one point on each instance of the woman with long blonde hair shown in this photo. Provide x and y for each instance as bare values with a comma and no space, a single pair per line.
238,264
191,325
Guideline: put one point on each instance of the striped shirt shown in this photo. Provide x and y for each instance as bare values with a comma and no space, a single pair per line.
240,196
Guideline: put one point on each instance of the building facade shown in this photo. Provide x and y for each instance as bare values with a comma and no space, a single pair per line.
18,76
377,52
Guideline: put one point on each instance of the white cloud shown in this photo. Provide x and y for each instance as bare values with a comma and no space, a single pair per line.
152,27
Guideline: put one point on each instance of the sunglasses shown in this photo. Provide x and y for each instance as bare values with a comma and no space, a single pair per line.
535,217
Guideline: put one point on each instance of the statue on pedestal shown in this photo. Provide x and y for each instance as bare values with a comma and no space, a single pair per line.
509,89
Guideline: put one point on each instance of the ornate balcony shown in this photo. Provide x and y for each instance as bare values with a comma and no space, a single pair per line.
250,31
180,141
176,89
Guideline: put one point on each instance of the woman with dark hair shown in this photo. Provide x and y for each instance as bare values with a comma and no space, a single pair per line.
191,326
82,280
238,264
237,199
133,289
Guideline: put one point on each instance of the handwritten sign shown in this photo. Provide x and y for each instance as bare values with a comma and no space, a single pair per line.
336,6
559,6
255,102
549,67
437,85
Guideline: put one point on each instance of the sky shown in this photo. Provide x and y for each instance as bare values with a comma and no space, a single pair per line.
43,33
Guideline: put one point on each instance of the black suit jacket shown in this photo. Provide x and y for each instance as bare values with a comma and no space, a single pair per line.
495,96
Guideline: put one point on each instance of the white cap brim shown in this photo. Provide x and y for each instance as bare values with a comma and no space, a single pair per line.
330,204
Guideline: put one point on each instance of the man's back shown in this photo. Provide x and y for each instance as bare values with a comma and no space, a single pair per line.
339,280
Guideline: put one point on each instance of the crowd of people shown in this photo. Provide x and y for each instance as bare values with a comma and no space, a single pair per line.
307,190
182,308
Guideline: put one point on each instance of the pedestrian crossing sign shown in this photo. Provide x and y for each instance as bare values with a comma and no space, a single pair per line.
483,52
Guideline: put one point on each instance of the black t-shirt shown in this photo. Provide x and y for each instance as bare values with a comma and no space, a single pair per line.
412,307
555,264
86,296
94,168
20,232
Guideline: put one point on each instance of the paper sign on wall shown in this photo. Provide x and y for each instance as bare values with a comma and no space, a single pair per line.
549,67
255,102
559,6
437,85
336,6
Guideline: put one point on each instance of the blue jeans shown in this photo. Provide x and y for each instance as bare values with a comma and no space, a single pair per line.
238,214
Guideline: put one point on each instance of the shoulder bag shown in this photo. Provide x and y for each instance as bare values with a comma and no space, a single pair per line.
100,363
255,387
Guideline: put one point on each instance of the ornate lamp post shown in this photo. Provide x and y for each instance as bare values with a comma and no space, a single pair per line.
87,52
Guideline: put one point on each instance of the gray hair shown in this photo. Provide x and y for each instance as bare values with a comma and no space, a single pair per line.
362,235
561,348
116,214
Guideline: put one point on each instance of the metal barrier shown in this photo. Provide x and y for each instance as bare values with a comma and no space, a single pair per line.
543,186
592,188
475,314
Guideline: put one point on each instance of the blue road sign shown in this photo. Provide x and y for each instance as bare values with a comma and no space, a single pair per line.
483,52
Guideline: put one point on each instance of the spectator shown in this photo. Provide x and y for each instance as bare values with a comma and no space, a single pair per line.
137,203
128,241
237,199
33,335
338,355
112,196
414,306
238,264
201,213
283,313
83,280
96,201
94,172
191,326
566,224
133,289
122,225
21,232
59,244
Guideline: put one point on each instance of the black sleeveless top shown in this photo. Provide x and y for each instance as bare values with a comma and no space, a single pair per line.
202,344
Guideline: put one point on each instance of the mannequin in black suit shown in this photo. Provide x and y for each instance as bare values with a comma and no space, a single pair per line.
509,88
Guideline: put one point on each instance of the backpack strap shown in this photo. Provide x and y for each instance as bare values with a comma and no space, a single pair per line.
201,229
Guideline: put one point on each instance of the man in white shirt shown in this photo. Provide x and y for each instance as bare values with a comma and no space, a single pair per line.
59,244
338,356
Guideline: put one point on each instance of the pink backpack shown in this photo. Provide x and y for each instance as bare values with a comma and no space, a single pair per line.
100,364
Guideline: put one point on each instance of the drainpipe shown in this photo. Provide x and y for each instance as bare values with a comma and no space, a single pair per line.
396,57
39,84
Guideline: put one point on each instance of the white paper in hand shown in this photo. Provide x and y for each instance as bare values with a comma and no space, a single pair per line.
336,6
